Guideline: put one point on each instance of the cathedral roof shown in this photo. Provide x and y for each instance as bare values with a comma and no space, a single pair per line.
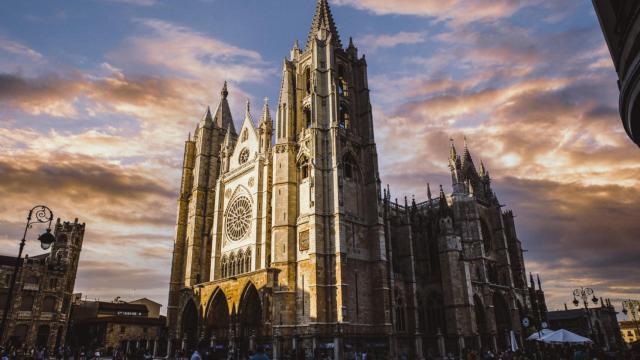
323,19
222,117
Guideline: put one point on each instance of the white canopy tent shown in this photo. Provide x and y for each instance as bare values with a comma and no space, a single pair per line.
538,334
563,336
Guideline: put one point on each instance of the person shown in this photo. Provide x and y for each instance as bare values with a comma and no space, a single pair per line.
260,355
196,355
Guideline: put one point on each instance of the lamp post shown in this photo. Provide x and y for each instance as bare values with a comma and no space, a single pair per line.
584,293
633,307
38,214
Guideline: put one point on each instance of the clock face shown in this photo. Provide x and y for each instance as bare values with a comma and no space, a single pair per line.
526,322
544,325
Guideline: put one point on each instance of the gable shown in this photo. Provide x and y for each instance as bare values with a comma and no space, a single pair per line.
247,145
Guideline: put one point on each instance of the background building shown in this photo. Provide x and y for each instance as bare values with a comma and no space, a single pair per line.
296,246
629,331
44,286
599,323
131,326
620,22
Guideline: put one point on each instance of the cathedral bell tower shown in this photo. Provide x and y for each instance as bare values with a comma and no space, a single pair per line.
200,171
327,235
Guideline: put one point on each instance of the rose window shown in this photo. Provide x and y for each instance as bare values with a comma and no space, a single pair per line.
244,156
238,218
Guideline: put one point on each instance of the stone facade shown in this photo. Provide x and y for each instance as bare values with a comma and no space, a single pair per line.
286,238
599,323
43,293
630,331
130,326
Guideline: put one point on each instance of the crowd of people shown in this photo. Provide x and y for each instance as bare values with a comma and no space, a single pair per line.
544,352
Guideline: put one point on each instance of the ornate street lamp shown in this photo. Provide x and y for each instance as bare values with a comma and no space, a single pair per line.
584,294
38,214
633,307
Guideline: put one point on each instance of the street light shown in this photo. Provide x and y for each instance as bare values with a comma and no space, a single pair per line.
37,215
633,307
584,294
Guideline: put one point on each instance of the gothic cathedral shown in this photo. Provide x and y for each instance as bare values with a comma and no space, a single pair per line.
285,238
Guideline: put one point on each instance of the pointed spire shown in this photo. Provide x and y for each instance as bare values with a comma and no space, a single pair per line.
466,157
429,192
224,92
247,111
453,155
539,284
483,170
443,206
222,116
207,119
322,19
266,113
351,42
531,281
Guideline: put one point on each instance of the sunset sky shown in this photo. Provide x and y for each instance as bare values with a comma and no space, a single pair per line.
98,96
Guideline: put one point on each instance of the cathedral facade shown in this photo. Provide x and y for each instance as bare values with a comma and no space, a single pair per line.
286,239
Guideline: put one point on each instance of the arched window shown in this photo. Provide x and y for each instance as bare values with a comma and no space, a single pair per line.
49,304
26,303
307,118
232,265
435,315
307,80
344,117
20,332
305,168
245,135
223,266
247,261
486,236
349,170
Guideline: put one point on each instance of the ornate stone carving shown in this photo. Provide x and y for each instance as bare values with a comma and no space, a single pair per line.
238,218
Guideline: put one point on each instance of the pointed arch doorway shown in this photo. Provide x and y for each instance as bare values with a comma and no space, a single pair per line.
189,325
249,320
217,323
503,321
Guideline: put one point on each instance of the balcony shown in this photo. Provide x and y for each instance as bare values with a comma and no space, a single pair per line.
24,315
47,316
33,287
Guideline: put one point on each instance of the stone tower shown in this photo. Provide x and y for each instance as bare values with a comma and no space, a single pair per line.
200,170
327,236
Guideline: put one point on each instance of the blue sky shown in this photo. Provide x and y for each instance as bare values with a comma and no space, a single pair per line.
97,97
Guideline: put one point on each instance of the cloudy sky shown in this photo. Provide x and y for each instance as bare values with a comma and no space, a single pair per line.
98,96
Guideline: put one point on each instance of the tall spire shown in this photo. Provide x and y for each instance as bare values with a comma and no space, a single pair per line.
323,19
466,156
222,116
429,192
266,116
247,113
224,92
452,152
